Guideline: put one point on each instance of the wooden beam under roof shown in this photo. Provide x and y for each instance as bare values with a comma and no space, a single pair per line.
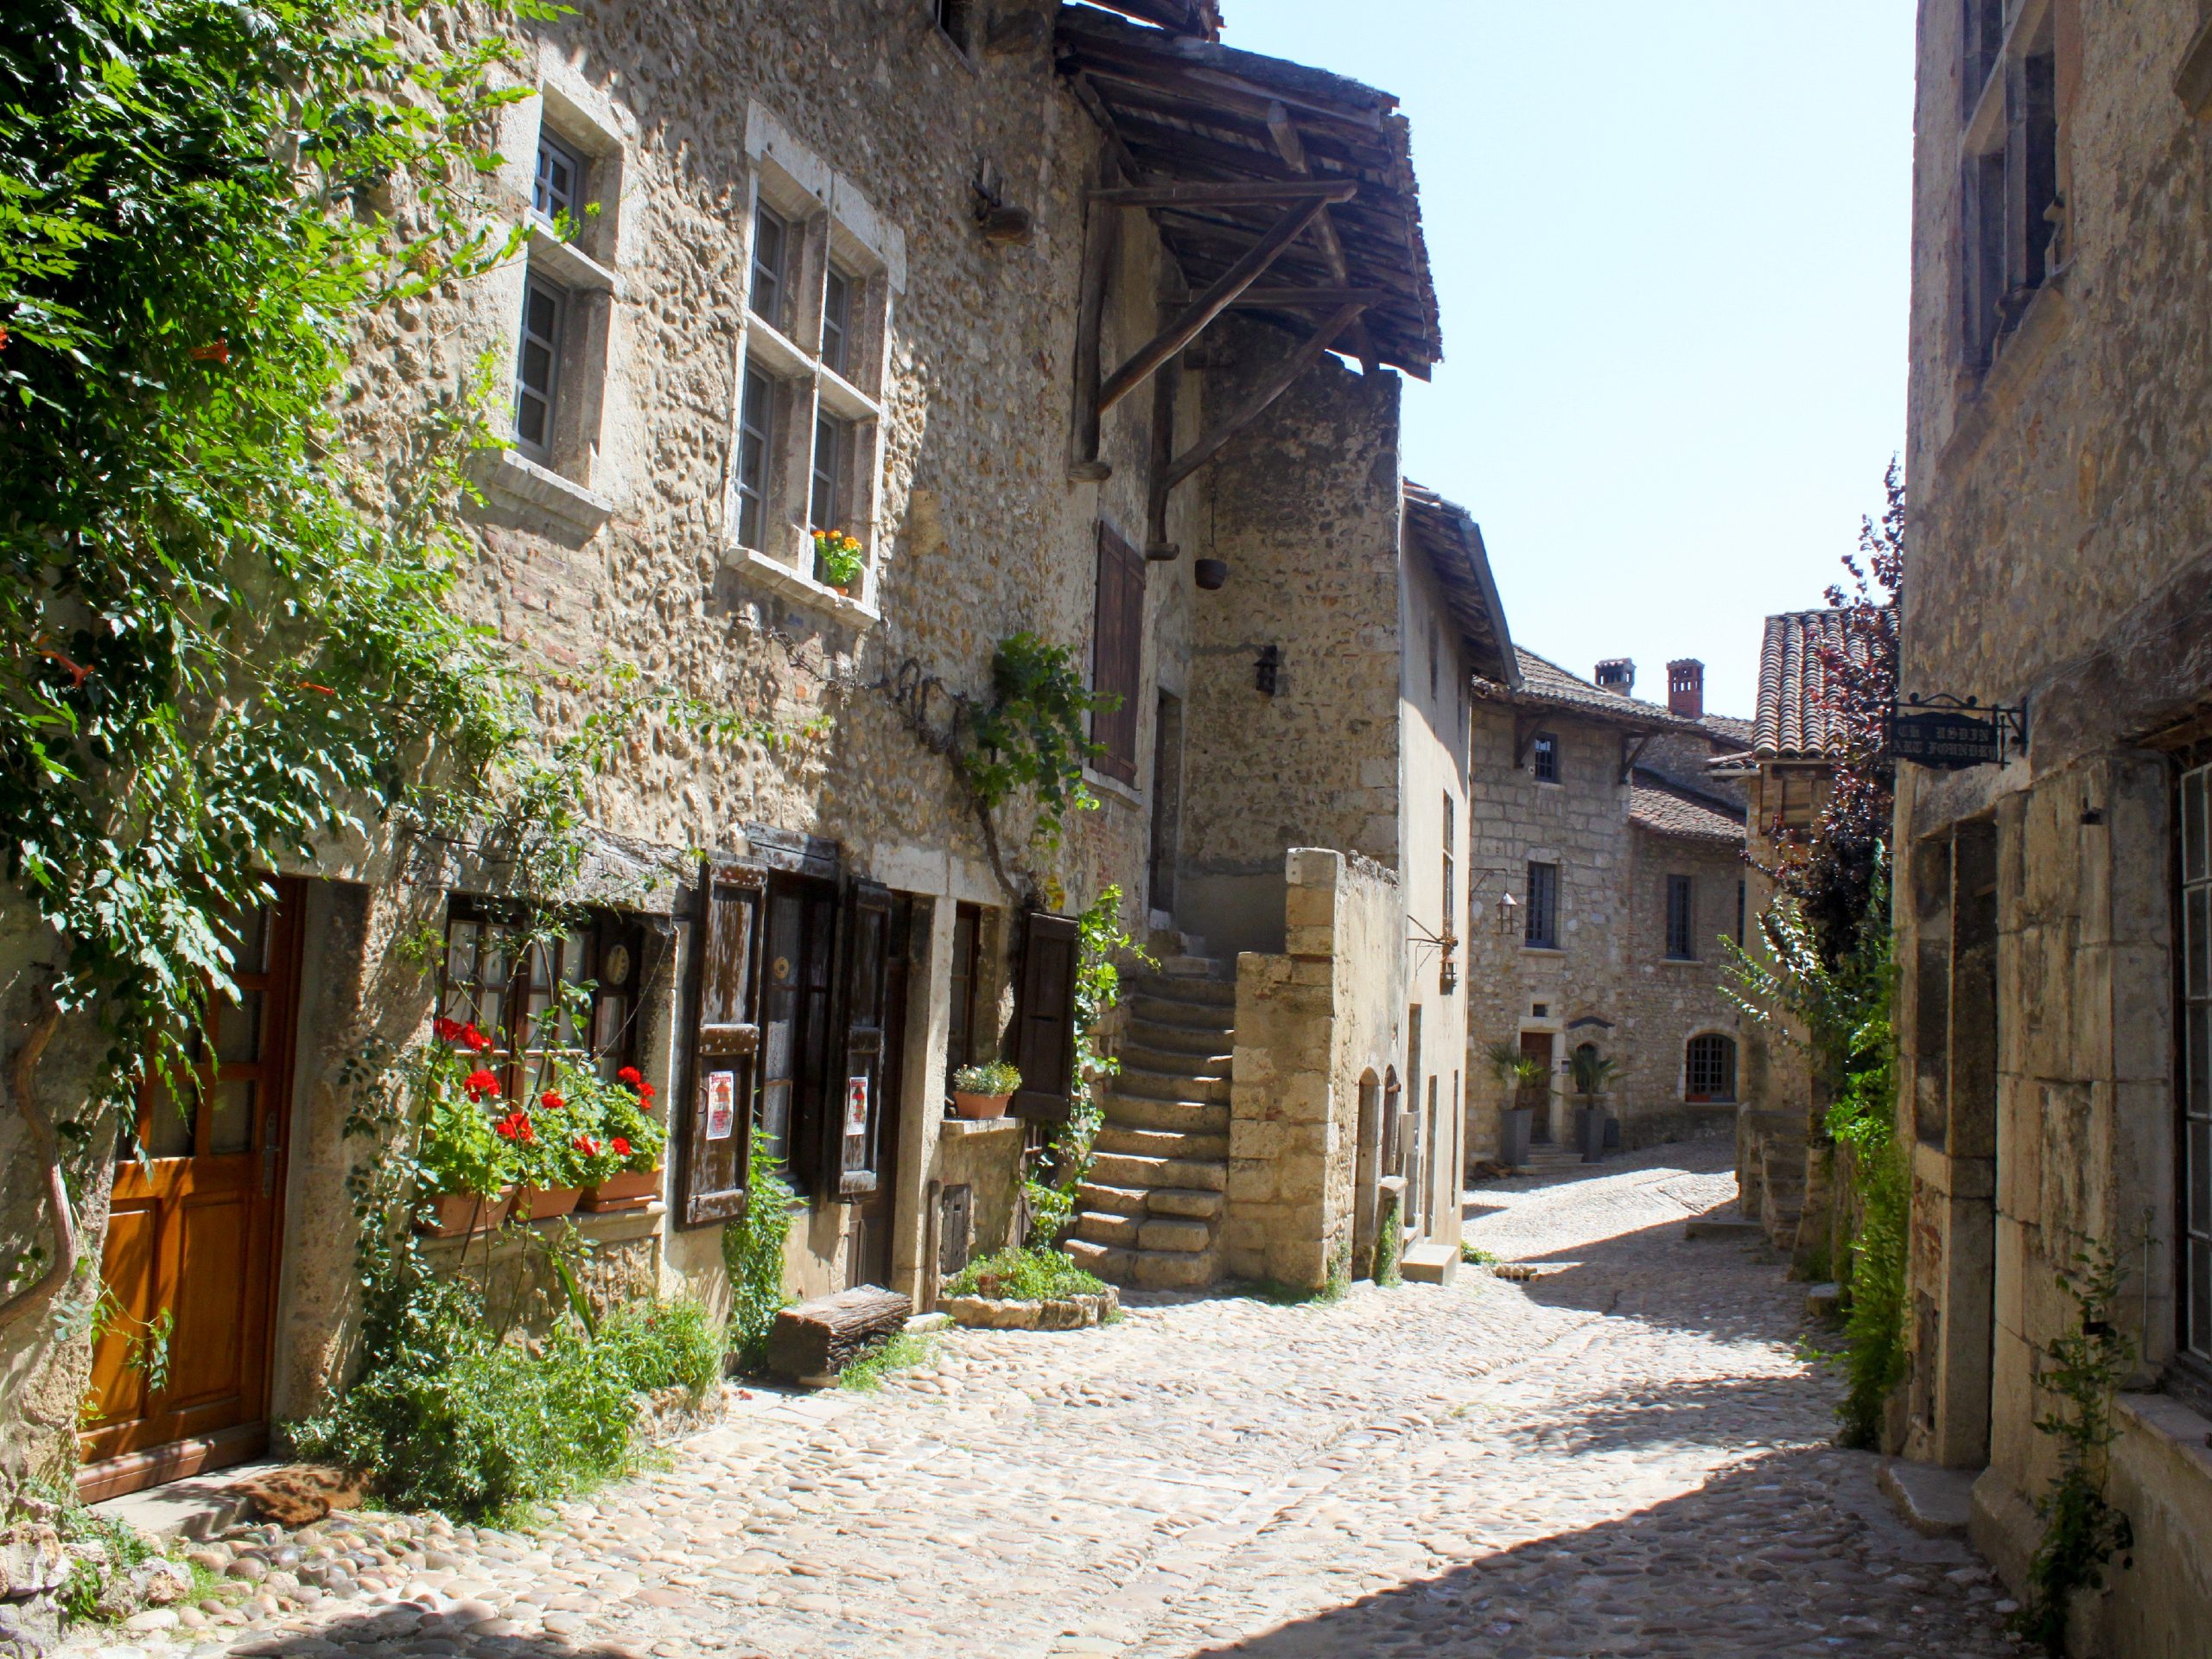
1284,132
1285,374
1230,193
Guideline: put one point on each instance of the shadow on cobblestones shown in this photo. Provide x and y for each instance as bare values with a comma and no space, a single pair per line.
1791,1554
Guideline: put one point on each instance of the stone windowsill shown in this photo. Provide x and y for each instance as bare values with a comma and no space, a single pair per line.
2170,1425
569,265
1112,789
601,1227
792,584
1543,950
963,1126
520,482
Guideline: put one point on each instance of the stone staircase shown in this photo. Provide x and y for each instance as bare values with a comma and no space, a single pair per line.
1150,1214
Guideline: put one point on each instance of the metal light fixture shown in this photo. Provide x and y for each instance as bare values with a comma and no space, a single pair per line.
1264,668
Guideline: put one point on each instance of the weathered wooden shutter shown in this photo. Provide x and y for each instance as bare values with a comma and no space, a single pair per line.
859,1132
1117,654
725,1049
1043,1034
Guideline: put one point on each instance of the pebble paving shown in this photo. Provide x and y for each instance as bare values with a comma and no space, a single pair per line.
1622,1455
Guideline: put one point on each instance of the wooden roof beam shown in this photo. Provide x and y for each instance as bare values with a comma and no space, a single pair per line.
1286,373
1284,132
1216,297
1298,299
1230,193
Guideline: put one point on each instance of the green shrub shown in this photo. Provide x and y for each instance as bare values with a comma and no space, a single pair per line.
997,1077
1025,1274
664,1346
1390,1240
901,1352
753,1251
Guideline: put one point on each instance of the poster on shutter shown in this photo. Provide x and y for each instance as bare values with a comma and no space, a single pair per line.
722,1104
856,1105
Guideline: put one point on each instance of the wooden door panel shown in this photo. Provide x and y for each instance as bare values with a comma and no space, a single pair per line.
209,1299
127,1270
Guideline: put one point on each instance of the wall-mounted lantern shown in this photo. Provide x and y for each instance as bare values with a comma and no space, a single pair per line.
1264,668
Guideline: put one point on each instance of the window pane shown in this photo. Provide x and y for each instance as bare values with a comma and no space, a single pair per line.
2199,1297
2198,1060
754,414
2200,1177
538,364
2196,801
230,1129
768,241
251,956
836,318
826,506
555,188
237,1030
169,1128
2198,926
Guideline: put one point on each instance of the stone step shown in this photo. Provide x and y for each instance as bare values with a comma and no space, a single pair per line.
1130,1169
1193,966
1102,1227
1115,1263
1141,1084
1112,1200
1192,1201
1161,1143
1175,1269
1429,1263
1175,1233
1188,989
1183,1016
1136,1055
1190,1046
1189,1117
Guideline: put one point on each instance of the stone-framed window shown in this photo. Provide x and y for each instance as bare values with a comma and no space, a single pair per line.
577,991
2008,173
1709,1068
807,445
1681,918
1543,757
1539,902
956,20
2195,830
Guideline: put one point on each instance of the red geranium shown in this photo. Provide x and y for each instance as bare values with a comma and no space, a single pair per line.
631,1075
621,1145
480,1084
473,1039
445,1030
516,1126
551,1100
586,1145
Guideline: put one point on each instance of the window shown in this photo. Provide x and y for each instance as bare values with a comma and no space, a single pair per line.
2195,978
1543,757
960,1047
952,17
1681,918
1709,1068
833,454
537,365
771,250
1117,654
838,322
1449,884
1542,903
2008,183
558,186
756,411
1739,915
532,996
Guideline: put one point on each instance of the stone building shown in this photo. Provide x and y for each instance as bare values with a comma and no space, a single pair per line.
2051,910
975,320
1605,874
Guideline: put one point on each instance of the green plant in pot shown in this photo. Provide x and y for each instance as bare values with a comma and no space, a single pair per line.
838,561
1517,1073
1591,1072
616,1138
981,1092
464,1168
549,1167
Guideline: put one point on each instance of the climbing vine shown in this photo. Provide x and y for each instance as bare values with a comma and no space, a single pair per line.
1030,736
753,1251
2083,1370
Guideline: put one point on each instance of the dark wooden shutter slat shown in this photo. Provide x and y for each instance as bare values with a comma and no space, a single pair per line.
725,1042
1044,1047
1118,653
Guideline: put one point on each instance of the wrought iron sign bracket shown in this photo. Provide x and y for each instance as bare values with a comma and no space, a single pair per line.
1949,732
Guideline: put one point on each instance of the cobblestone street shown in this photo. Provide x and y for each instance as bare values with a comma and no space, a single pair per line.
1620,1456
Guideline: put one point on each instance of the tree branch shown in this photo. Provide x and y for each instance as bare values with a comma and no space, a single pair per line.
42,1146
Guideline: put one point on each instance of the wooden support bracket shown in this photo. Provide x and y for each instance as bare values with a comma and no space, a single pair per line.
1525,727
1102,238
1234,192
1632,748
1210,440
1284,132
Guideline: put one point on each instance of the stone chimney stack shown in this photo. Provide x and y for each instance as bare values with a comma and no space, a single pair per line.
1618,674
1686,688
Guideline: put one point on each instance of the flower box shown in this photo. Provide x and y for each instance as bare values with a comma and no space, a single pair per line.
627,1190
545,1203
979,1106
459,1215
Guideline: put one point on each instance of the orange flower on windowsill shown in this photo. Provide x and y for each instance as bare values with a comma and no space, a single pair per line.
839,560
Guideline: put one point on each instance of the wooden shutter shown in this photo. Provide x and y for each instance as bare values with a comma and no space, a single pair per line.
725,1049
1118,659
1044,1030
857,1130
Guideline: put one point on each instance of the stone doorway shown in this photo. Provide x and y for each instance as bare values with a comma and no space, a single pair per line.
1538,1045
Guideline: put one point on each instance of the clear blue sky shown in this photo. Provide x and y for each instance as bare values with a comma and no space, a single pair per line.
1670,243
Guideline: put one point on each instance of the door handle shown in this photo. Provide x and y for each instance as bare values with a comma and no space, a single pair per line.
269,1169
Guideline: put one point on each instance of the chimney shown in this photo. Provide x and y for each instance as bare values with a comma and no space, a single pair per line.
1686,688
1617,674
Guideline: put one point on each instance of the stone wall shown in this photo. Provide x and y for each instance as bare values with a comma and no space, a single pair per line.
1316,1037
1305,509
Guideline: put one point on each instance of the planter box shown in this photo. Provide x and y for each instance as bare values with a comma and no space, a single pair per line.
627,1190
1064,1313
1591,1126
979,1106
544,1203
1513,1127
460,1214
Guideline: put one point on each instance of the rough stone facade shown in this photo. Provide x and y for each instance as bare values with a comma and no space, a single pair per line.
1615,831
2060,561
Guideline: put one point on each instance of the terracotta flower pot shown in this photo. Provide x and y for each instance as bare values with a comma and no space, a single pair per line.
979,1106
545,1203
457,1215
626,1190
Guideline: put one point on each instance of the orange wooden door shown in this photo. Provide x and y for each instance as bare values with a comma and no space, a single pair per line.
190,1261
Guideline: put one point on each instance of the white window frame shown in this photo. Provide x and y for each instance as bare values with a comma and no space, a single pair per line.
553,344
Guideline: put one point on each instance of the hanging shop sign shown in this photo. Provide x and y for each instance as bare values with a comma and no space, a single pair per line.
1950,734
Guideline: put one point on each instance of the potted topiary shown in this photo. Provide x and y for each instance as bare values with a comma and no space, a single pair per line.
838,562
1517,1073
624,1167
981,1092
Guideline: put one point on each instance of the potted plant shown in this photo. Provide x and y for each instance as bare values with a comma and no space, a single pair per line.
981,1092
1516,1073
549,1164
623,1172
464,1164
838,561
1593,1071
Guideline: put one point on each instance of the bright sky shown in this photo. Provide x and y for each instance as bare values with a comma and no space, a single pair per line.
1670,244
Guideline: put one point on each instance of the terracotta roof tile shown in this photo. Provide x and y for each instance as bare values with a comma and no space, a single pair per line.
1795,722
1544,684
1665,810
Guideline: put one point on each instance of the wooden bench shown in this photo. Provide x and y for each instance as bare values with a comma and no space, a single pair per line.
812,1342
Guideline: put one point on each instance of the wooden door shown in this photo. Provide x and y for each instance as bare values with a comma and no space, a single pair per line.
798,979
881,929
1044,1035
1537,1045
180,1360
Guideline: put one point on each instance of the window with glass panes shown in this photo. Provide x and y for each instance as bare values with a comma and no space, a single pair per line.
833,457
537,364
1682,917
756,411
559,182
1543,756
2196,1060
771,238
1541,902
574,990
838,322
1709,1068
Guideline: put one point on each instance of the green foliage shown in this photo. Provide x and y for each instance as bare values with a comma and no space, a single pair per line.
103,1551
996,1077
218,651
1475,1256
1031,736
1390,1243
752,1252
838,558
2082,1531
900,1351
459,1152
1024,1275
1101,944
1592,1071
1513,1069
670,1344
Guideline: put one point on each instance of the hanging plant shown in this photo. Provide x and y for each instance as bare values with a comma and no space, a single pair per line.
1032,736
